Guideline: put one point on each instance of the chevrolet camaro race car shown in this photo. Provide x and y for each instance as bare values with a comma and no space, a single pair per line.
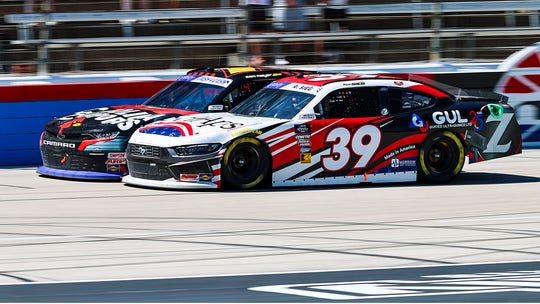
326,129
91,144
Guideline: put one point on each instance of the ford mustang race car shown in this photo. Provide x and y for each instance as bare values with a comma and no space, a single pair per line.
327,129
91,144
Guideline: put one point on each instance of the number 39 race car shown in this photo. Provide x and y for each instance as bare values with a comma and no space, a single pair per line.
327,129
91,144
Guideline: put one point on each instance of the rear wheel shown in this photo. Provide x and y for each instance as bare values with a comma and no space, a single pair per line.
246,164
441,157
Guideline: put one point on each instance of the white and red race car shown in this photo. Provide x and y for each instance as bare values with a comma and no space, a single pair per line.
326,129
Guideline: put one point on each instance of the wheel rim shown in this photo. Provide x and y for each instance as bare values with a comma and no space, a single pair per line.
245,163
441,156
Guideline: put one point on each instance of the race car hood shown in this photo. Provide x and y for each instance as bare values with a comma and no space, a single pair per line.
122,119
201,128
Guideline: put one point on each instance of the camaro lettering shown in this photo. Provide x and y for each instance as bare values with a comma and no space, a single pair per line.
59,144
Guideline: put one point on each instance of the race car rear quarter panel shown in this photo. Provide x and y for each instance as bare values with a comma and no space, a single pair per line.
492,134
26,108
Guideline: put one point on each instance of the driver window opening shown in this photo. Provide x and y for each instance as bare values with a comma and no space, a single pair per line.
348,103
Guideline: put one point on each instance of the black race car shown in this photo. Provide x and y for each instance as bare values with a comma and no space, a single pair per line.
91,144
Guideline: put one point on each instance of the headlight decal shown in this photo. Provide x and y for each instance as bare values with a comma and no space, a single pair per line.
198,149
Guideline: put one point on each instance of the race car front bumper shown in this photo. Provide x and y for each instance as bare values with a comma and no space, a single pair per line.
91,175
170,183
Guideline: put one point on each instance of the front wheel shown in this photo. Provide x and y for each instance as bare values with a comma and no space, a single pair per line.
246,164
441,157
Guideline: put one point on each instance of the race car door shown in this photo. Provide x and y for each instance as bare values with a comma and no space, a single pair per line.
350,142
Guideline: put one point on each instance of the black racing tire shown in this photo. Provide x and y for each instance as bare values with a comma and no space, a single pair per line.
246,164
441,157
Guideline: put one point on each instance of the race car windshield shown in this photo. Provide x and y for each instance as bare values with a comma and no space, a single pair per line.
185,95
274,103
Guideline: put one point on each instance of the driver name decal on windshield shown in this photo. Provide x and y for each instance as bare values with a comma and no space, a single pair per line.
187,78
277,85
222,82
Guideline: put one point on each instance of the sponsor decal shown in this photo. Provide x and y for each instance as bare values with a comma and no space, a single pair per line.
124,119
305,158
494,145
305,149
262,75
77,122
303,139
119,168
351,84
187,78
302,129
399,150
496,111
222,82
189,176
115,161
246,131
417,122
215,108
396,163
205,177
212,122
450,119
308,116
277,85
477,120
116,155
304,88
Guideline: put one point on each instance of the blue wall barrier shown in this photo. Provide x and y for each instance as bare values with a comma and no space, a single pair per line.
25,109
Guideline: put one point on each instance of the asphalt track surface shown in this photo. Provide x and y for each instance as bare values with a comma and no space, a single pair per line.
55,230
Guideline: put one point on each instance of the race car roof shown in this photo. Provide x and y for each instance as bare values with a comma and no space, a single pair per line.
228,72
325,79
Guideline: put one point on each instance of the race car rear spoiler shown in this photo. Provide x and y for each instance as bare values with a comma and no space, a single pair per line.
459,93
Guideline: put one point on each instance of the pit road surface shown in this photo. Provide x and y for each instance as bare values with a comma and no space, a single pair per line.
58,230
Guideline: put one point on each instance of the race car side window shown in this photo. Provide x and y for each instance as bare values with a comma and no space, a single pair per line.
351,102
245,89
402,100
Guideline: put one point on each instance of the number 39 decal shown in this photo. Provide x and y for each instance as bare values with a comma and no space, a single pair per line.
364,144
